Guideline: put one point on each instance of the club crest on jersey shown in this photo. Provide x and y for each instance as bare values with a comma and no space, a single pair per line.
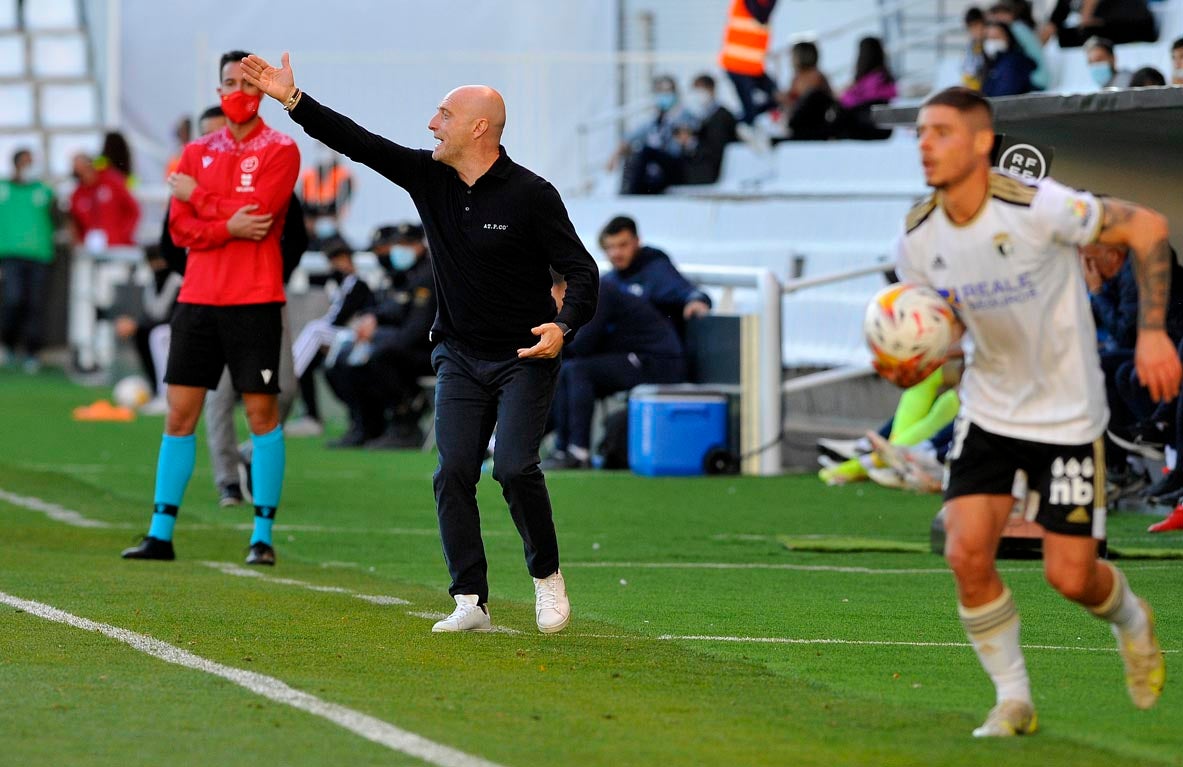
1003,244
1080,210
249,164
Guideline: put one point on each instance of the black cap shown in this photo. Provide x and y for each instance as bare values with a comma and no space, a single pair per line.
390,234
336,246
408,232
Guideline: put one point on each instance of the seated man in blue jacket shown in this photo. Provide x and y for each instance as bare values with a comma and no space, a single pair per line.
648,273
627,343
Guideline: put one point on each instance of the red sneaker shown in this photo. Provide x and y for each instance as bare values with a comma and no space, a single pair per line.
1172,522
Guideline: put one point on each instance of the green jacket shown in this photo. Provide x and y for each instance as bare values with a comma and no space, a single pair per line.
26,220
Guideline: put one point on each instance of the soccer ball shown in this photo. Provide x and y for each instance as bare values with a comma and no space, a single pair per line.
909,329
132,392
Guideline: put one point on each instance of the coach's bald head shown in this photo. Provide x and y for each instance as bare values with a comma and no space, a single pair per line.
468,125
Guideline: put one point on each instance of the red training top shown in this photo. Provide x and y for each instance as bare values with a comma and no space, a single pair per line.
106,205
261,169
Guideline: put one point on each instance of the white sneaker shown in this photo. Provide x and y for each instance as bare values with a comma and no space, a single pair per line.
468,616
552,609
304,427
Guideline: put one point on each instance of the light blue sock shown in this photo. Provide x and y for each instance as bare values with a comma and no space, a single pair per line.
267,464
264,519
174,467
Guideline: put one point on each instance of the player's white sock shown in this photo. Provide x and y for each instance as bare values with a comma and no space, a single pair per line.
1121,607
993,629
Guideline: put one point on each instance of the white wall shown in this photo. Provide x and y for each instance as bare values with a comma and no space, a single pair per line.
384,64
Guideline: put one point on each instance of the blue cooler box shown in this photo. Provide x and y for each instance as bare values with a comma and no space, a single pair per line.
671,431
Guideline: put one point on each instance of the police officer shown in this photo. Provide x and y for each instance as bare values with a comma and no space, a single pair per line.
397,333
496,230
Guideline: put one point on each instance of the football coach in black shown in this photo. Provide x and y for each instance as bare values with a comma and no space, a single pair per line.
496,231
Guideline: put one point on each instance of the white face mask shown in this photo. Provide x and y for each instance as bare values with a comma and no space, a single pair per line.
1177,76
699,101
993,47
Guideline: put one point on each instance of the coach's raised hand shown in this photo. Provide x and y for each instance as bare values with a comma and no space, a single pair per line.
277,82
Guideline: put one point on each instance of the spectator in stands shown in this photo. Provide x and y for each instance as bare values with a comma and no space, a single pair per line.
1122,21
1177,62
626,344
745,44
27,223
873,84
1103,64
326,189
973,66
376,372
150,331
648,273
1016,14
351,296
116,154
103,210
653,158
1008,70
809,101
1147,77
702,149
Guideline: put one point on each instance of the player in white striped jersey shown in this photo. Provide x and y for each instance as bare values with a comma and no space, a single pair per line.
1033,398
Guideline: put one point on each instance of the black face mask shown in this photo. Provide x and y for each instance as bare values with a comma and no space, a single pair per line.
386,263
338,276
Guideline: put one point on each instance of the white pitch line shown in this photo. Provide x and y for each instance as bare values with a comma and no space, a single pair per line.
52,510
368,727
229,568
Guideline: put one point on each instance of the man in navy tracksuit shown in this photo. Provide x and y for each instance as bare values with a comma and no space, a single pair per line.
648,273
626,344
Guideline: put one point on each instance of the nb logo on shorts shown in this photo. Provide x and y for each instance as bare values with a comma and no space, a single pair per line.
266,376
1072,482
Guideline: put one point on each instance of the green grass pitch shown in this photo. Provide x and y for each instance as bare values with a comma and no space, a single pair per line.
698,637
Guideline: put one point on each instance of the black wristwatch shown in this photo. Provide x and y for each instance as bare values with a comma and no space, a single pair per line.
563,327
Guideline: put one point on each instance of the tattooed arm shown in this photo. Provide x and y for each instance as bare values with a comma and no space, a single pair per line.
1144,232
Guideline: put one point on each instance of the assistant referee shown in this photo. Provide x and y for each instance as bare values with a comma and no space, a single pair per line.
496,232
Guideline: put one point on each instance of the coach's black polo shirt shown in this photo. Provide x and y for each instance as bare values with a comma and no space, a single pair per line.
491,243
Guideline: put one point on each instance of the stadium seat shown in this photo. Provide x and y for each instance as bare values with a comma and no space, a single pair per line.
12,55
68,106
17,99
59,55
52,15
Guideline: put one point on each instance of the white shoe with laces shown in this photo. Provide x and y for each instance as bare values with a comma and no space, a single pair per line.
552,609
468,616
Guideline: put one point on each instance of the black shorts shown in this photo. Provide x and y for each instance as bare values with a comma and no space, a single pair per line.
1065,483
207,339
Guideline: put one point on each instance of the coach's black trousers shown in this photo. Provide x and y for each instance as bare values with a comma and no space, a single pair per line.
471,397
